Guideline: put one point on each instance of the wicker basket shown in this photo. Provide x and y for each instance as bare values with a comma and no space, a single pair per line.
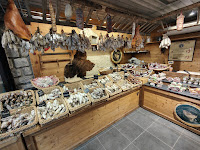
89,81
121,67
121,73
98,100
24,110
101,77
46,87
167,67
47,91
72,86
80,107
142,70
116,92
33,97
61,101
105,72
119,83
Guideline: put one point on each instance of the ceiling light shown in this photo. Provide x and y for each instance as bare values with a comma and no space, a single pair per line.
192,13
104,21
90,19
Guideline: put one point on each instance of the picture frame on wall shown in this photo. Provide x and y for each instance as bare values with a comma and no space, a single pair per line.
182,50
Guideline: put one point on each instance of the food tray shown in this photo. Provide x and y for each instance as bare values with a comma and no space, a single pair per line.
89,81
105,72
61,101
24,110
72,86
98,100
120,66
160,69
142,70
101,77
121,73
32,104
120,82
116,92
47,91
80,107
45,87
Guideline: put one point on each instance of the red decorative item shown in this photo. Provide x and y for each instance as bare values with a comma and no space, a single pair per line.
14,22
46,49
180,22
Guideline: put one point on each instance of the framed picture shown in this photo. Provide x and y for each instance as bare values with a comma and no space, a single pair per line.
182,50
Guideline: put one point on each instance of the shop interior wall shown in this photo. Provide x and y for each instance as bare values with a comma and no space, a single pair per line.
99,58
156,55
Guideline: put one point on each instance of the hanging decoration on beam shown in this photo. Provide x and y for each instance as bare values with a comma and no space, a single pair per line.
14,22
53,18
68,11
133,30
180,22
109,24
166,42
79,18
137,40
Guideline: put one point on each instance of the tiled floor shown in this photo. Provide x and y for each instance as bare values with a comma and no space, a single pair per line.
143,130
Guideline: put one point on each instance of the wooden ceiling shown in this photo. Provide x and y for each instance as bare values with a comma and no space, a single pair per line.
123,12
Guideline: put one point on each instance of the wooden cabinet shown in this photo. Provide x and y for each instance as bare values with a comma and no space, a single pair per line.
163,103
75,130
12,143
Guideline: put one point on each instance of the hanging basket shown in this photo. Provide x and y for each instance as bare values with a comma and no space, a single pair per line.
179,22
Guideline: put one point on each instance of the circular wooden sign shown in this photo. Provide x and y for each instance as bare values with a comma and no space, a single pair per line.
116,56
188,114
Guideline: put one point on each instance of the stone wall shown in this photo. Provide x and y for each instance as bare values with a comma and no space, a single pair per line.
21,68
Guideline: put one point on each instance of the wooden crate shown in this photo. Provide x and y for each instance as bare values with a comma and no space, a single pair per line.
101,77
119,83
114,93
72,86
98,100
89,81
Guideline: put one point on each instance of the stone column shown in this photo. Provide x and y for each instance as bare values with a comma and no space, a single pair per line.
21,68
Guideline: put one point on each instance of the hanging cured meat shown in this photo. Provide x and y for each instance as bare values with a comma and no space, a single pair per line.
79,18
133,30
109,24
180,21
53,18
137,40
14,22
68,11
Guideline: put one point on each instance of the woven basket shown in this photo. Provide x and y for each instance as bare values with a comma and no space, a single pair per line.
89,81
120,73
105,72
43,121
98,100
116,92
121,67
47,91
161,69
80,107
72,86
119,83
24,110
142,70
101,77
33,97
46,87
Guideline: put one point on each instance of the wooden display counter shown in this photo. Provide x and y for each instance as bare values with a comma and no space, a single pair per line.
67,133
163,103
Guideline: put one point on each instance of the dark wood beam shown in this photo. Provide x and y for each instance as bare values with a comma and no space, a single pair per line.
175,12
89,15
122,23
152,29
58,2
28,9
88,4
146,26
119,13
44,10
117,22
149,27
127,25
127,30
102,22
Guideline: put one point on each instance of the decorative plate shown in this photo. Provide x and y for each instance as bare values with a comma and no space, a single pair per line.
188,114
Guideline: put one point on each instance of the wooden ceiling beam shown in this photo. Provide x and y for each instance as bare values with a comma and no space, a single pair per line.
127,25
122,23
175,12
58,2
152,29
44,10
88,4
146,26
149,27
116,24
28,9
127,30
119,13
102,22
89,15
